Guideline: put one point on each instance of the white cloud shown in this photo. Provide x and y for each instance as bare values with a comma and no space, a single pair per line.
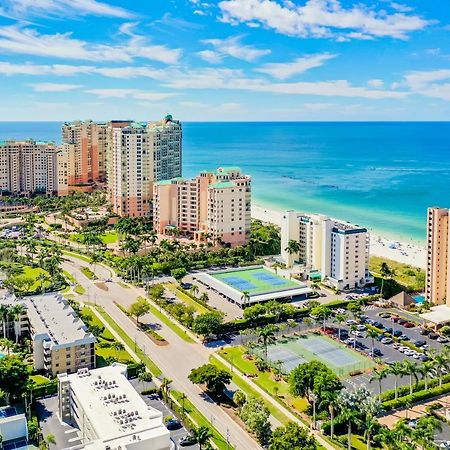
375,83
64,8
432,83
210,56
131,93
54,87
283,71
322,19
232,47
28,41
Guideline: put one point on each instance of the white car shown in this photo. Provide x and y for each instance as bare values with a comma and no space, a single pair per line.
402,349
340,311
417,355
409,352
361,327
351,322
357,333
445,445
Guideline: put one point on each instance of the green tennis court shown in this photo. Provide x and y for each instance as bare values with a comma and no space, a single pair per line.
255,280
289,353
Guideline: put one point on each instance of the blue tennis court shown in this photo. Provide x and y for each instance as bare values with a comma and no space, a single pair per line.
239,283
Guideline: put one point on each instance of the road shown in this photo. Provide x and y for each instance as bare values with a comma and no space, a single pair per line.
175,360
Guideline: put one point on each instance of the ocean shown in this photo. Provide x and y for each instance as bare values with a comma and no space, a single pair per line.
379,175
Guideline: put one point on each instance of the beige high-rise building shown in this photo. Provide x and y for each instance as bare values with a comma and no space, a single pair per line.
140,153
333,251
438,249
217,203
85,142
29,167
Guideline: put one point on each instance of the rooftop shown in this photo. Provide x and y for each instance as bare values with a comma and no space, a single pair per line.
222,184
114,409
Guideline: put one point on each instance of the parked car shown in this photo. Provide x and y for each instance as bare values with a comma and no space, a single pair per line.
386,341
361,327
424,358
395,319
397,333
424,331
402,321
409,352
388,330
433,336
408,325
378,325
412,423
384,315
396,345
417,355
403,337
363,319
351,322
340,311
419,343
186,441
445,445
442,339
173,424
376,352
357,333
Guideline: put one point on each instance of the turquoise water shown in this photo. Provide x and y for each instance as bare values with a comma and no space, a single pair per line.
379,175
419,299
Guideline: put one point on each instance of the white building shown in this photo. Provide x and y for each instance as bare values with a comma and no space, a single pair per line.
61,341
13,426
336,252
108,411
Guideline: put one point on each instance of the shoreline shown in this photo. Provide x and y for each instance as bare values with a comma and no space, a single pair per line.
399,251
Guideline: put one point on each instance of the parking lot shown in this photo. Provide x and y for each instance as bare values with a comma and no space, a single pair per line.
388,352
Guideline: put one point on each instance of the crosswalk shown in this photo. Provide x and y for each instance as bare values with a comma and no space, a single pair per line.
369,307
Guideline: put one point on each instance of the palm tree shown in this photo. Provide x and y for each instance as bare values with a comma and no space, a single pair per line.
385,272
440,363
425,370
165,383
4,314
347,413
330,398
245,297
202,435
43,278
378,375
293,247
266,336
397,369
118,347
204,297
194,290
372,334
353,328
411,370
144,376
96,257
17,311
340,319
7,344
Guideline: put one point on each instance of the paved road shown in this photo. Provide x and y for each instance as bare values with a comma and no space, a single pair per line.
175,360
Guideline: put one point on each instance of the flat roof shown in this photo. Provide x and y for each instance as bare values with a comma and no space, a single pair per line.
259,282
52,315
439,314
115,410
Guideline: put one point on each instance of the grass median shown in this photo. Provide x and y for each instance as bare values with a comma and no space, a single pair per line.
154,369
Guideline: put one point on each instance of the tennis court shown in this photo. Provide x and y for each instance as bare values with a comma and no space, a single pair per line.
255,280
290,353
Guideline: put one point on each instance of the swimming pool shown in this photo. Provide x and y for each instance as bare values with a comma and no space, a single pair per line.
419,299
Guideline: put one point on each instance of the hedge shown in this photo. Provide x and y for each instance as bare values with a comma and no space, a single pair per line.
45,389
416,397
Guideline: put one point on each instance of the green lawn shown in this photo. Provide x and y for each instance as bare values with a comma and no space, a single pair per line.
80,290
200,309
39,379
88,273
69,276
96,321
154,369
255,281
110,237
33,273
77,255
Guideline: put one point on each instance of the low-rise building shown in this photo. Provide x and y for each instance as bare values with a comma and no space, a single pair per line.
330,250
13,428
214,204
108,411
61,341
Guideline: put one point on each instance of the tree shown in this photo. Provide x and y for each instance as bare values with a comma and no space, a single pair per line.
323,313
16,312
266,336
4,316
425,370
194,290
207,324
441,363
118,347
339,319
385,272
178,274
378,375
239,398
139,308
397,369
50,439
201,435
245,297
410,369
255,415
144,376
14,376
212,377
292,437
165,383
372,334
96,257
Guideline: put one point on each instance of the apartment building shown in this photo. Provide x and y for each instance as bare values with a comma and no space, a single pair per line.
109,412
140,153
214,203
29,167
61,341
438,242
330,250
85,142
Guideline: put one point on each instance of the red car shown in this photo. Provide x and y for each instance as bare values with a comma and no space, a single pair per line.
408,325
395,319
402,321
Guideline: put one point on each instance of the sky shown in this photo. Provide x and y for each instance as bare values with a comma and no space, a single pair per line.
227,60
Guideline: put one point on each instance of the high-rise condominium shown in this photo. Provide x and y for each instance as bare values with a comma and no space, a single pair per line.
140,153
214,203
85,143
438,242
329,250
28,167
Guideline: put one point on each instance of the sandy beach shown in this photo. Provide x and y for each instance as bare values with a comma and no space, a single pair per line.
402,252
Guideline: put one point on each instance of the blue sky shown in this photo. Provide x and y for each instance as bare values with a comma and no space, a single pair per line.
225,60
